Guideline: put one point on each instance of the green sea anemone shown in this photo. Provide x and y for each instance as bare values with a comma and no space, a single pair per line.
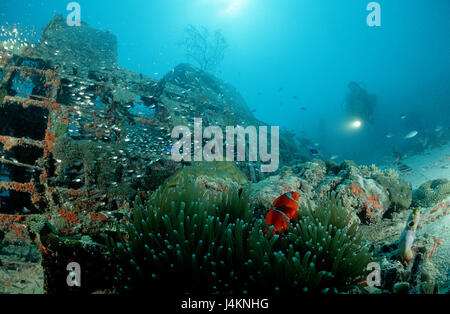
184,240
188,240
320,252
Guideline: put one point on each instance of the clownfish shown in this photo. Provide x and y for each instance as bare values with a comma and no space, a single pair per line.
284,209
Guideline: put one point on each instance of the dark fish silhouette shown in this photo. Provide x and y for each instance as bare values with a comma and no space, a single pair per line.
402,168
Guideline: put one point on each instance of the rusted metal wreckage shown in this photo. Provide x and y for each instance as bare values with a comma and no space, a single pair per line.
80,135
32,121
27,134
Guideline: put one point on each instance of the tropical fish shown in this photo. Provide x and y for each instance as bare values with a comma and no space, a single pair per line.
284,209
388,135
334,157
26,210
314,151
403,117
402,168
408,236
411,134
398,156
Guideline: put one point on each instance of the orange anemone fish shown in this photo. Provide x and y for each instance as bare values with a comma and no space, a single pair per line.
284,209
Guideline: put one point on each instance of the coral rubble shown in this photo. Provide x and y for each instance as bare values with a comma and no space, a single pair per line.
371,193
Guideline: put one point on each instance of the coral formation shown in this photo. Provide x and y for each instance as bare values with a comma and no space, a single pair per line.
371,193
202,47
215,176
400,193
431,192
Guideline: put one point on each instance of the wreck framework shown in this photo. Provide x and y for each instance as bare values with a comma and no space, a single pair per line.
36,188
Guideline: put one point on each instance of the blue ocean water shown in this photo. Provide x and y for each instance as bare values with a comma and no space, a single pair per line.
357,80
293,60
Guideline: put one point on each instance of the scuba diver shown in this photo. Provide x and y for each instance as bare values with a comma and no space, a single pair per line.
359,103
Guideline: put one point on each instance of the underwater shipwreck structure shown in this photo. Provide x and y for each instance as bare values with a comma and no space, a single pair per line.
81,137
70,118
68,111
